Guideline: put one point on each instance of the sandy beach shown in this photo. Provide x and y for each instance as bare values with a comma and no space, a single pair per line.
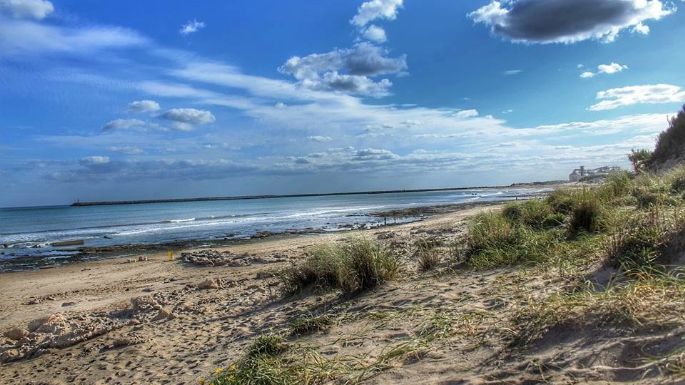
155,321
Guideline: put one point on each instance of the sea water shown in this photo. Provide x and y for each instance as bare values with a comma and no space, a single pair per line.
31,231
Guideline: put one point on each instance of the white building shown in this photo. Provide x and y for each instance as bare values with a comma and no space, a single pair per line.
582,172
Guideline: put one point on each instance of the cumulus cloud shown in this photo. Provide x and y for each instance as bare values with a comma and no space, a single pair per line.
185,119
643,94
34,9
143,106
375,34
563,21
125,124
608,69
191,27
376,9
346,70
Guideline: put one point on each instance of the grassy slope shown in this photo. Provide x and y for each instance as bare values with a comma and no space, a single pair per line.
584,285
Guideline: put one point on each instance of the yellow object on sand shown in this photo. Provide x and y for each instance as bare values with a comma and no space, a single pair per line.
170,254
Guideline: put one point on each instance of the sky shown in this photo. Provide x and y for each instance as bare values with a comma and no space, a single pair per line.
106,100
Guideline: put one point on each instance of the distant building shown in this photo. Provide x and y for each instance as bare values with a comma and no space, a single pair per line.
582,172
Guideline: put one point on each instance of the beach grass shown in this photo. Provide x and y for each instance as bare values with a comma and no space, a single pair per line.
357,265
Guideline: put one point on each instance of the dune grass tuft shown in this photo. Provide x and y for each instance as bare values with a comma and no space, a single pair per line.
309,324
654,300
357,265
426,253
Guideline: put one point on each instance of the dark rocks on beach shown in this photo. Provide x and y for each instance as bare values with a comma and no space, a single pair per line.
217,258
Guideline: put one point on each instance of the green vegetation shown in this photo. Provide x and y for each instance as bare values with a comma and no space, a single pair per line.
617,247
670,145
309,324
427,253
357,265
267,364
645,302
636,216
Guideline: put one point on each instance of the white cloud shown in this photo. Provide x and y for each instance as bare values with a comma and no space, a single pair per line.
375,34
564,21
319,138
191,27
608,69
143,106
94,160
23,37
346,70
376,9
185,118
128,150
643,94
512,72
35,9
125,124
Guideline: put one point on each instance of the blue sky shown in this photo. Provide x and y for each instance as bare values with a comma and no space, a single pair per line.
157,99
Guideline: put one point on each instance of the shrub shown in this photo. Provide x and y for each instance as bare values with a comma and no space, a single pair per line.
267,345
586,216
531,213
671,143
428,259
616,185
426,253
495,241
562,201
320,270
639,159
489,231
359,264
647,241
366,264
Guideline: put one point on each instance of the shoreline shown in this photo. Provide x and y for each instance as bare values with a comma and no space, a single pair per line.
84,254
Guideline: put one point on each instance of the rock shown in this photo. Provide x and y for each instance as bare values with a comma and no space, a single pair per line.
10,355
142,259
124,341
209,283
163,314
71,303
16,333
144,303
52,324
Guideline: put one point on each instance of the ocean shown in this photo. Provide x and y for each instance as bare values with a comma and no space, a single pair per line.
30,232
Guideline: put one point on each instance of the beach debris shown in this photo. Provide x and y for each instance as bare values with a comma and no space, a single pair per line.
209,283
125,341
163,313
69,303
145,303
16,333
227,258
142,259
